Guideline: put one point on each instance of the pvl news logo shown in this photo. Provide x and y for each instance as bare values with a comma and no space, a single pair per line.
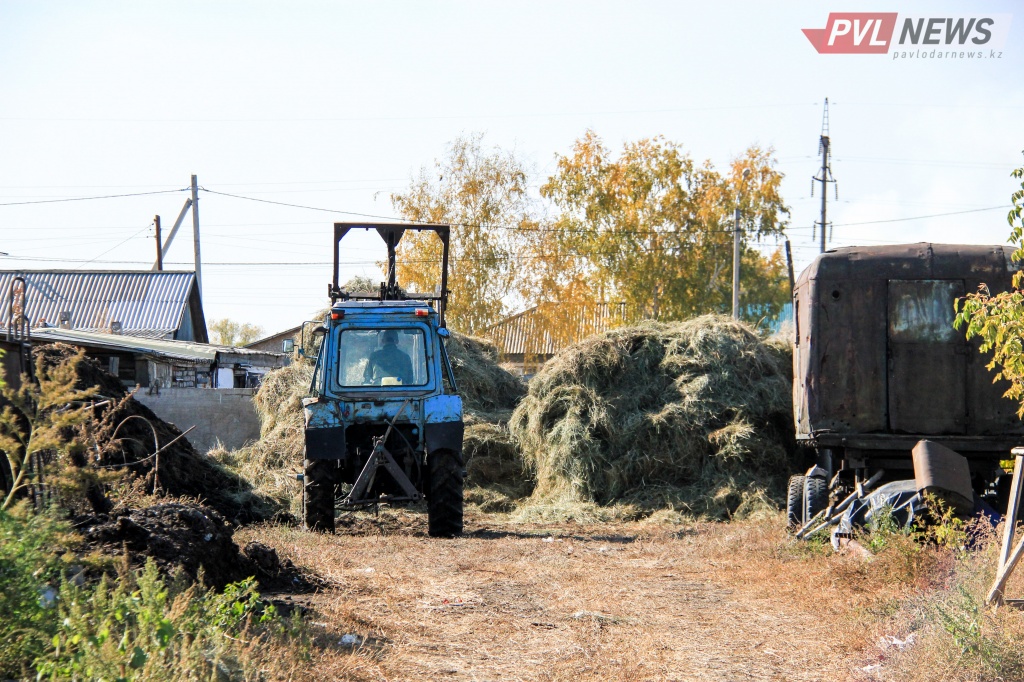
977,36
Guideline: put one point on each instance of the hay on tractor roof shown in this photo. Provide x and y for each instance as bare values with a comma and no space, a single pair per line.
693,415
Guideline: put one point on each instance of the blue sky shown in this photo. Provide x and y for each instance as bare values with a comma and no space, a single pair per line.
338,104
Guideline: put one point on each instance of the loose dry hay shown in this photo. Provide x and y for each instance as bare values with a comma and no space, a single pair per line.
693,417
495,475
489,394
271,463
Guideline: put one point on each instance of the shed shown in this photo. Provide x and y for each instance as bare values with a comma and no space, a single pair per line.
159,363
532,337
156,305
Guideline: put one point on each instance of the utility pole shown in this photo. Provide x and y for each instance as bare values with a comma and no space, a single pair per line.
824,176
789,265
195,234
736,251
159,246
736,265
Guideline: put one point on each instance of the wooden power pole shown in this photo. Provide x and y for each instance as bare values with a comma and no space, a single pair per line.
159,246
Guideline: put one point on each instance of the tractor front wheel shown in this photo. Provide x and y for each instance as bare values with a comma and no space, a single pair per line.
318,494
444,494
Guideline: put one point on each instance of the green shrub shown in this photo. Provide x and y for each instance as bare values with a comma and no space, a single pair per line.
142,626
30,575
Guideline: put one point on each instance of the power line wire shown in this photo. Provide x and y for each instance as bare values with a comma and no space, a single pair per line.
920,217
108,196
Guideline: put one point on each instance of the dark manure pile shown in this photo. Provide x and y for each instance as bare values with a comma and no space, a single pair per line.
693,417
190,538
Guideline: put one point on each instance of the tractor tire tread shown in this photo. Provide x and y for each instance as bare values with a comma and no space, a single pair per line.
444,495
815,496
318,482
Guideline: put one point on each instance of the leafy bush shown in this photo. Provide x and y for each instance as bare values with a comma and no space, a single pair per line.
55,624
145,627
30,574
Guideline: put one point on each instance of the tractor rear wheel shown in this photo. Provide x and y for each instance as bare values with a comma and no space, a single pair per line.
444,494
318,494
795,502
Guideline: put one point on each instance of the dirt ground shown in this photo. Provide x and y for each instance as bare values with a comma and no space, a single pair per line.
568,602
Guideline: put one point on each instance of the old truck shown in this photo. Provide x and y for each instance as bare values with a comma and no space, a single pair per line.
878,367
383,422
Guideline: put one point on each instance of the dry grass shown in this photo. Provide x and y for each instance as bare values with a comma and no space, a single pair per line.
699,412
270,464
632,601
956,637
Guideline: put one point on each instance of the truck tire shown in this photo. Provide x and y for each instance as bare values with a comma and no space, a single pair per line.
795,502
318,494
444,495
815,496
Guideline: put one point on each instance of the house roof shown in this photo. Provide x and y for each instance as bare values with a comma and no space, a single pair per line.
147,304
529,332
279,336
180,350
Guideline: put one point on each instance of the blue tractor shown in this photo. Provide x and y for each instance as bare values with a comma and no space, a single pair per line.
383,422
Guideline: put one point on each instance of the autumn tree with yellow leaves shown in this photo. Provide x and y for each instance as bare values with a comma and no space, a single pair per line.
482,194
652,228
647,227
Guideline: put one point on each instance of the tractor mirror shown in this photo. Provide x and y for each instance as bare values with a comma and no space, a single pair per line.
310,338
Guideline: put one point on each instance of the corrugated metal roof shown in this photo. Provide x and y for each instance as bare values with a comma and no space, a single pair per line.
529,332
185,350
148,304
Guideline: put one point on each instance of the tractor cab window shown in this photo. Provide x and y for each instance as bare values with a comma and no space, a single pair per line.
382,357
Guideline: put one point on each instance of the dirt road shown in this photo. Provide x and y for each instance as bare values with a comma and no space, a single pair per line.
565,602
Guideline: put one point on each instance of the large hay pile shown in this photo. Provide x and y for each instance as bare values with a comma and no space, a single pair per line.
489,393
694,415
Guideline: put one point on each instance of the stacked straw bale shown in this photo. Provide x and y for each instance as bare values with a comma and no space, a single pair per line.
694,415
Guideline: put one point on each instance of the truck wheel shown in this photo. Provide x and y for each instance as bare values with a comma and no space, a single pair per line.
815,496
318,495
795,502
444,495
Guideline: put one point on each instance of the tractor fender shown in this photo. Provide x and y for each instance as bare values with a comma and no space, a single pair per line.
325,443
444,436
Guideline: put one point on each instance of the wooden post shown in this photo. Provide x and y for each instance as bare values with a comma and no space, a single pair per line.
159,246
1006,561
195,235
